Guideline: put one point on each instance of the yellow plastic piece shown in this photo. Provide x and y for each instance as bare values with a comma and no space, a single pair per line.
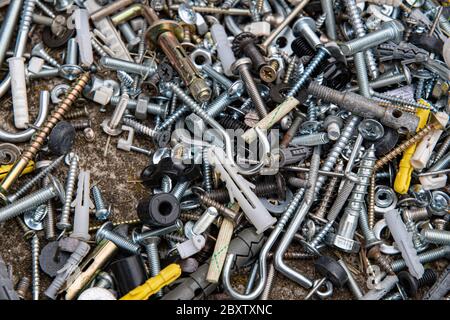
4,169
403,178
168,275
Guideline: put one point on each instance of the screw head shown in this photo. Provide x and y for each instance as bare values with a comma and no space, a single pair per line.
151,240
100,235
58,187
37,49
239,63
236,89
301,24
371,129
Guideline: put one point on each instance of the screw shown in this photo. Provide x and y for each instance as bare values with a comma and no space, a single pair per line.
382,260
242,66
81,124
40,136
22,287
411,284
180,188
64,222
123,65
160,138
206,169
151,248
140,237
104,280
39,51
101,212
32,200
45,9
390,31
212,73
313,139
105,232
36,285
30,184
152,108
27,232
424,257
111,127
436,236
77,114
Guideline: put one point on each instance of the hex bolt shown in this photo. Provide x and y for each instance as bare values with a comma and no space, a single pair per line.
39,51
101,211
30,201
242,66
390,31
160,138
138,238
424,257
64,222
105,232
151,248
36,283
30,184
122,65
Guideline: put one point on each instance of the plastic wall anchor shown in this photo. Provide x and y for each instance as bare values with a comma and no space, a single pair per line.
224,52
111,35
19,92
424,149
272,118
241,190
67,270
382,289
433,182
81,19
403,177
260,28
167,275
96,293
35,64
83,203
190,247
404,242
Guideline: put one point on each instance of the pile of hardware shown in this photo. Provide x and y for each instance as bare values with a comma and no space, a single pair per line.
277,130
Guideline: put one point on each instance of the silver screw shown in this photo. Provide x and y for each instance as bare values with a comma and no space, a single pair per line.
151,248
104,280
424,257
101,212
122,65
105,232
33,200
64,222
39,51
390,30
220,78
180,188
436,236
138,238
36,285
313,139
160,138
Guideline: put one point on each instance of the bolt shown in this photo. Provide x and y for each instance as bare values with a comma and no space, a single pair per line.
313,139
436,236
105,232
31,201
382,260
39,51
64,222
424,257
220,78
101,212
123,65
22,287
390,31
242,66
81,124
129,35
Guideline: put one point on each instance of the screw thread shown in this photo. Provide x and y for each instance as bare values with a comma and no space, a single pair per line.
179,189
77,114
424,257
27,15
30,184
315,62
436,236
371,206
98,198
442,149
127,66
209,202
139,127
153,259
165,184
121,241
46,9
341,199
175,237
174,117
206,168
219,104
253,91
269,283
209,70
20,206
36,286
22,287
329,191
290,69
429,277
70,189
320,236
313,139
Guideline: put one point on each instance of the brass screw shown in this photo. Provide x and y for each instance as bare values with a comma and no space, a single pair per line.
404,108
115,224
371,207
41,135
384,261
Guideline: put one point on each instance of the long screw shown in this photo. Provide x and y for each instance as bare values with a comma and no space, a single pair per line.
36,284
64,222
151,248
101,211
30,184
49,223
424,257
117,239
41,135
